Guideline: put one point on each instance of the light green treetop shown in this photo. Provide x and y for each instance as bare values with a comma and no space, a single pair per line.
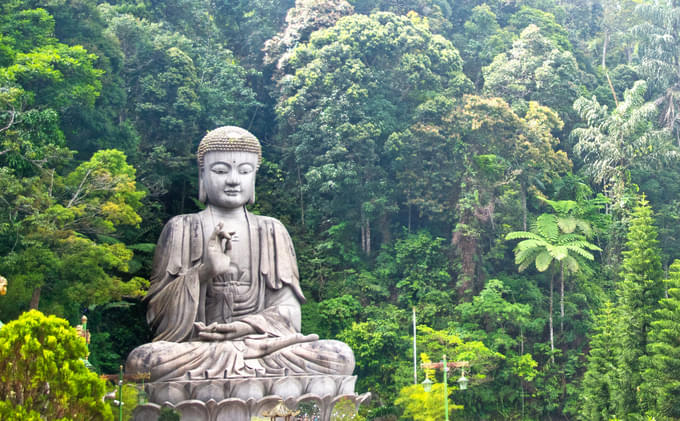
42,372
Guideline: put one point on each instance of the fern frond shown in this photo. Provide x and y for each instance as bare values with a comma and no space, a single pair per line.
580,251
521,235
546,225
543,261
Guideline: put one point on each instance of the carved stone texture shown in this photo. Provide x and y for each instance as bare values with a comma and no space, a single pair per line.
224,303
234,409
249,388
224,299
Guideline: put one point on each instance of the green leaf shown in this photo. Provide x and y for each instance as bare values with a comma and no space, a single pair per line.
543,261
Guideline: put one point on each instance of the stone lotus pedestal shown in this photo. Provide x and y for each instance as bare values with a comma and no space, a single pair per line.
240,399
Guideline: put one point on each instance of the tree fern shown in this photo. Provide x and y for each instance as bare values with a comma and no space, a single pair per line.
554,243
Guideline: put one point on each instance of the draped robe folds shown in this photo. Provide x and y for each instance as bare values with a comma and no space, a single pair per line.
271,306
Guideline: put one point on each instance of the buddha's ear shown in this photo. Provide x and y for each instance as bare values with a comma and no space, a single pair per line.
251,200
201,190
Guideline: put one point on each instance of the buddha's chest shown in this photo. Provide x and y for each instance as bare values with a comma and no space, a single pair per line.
231,294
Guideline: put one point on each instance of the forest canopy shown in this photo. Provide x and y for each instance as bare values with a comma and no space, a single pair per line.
508,169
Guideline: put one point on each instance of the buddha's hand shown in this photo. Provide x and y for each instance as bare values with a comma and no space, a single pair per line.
257,348
215,260
223,331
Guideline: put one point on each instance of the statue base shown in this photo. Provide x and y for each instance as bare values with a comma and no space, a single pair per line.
240,399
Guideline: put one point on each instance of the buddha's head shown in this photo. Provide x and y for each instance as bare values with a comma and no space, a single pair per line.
228,159
3,285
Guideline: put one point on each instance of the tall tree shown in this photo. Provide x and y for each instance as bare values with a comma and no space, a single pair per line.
301,21
58,235
176,89
613,143
659,51
534,69
466,155
639,293
554,243
599,381
355,84
661,387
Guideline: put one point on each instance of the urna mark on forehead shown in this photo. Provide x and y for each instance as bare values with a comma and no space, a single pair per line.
228,139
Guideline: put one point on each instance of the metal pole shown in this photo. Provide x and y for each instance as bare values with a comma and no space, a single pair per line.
415,371
446,391
120,395
87,345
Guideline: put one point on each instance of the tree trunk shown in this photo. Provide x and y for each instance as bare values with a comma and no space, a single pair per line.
409,218
35,298
302,199
550,323
604,50
523,196
368,236
385,229
561,298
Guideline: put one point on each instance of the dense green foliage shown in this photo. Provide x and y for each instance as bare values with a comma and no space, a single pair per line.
419,152
43,374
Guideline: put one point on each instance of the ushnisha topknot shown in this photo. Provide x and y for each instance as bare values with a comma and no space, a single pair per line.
229,139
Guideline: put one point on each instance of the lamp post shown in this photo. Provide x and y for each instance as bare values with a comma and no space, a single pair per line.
85,334
3,289
462,381
120,395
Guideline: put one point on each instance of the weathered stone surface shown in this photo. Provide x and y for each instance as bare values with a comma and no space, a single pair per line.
224,304
234,409
249,388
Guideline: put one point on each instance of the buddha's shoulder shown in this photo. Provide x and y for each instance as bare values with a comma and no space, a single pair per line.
263,220
183,219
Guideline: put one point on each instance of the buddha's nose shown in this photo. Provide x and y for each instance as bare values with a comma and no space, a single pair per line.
232,180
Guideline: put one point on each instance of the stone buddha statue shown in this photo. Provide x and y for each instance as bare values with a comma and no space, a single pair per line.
224,300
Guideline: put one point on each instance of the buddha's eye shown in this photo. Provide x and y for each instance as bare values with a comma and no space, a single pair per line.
245,169
219,169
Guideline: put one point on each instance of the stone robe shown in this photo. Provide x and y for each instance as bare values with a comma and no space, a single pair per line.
268,300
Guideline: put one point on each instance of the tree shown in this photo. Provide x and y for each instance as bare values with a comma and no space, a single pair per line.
481,40
614,143
57,230
379,349
42,372
354,84
421,405
246,25
659,51
599,381
554,243
416,269
504,325
176,89
302,20
534,69
639,293
661,387
41,79
469,155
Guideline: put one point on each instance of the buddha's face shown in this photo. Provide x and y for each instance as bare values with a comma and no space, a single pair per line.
3,286
229,178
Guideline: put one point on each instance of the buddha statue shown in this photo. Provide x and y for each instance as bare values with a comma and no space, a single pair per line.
224,297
